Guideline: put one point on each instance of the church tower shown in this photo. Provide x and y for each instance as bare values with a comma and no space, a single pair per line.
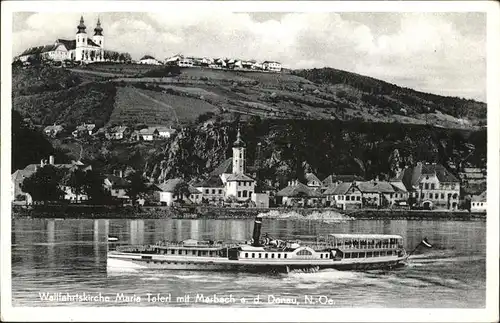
239,155
81,34
98,36
99,40
81,41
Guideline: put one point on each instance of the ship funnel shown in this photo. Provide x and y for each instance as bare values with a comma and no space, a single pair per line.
256,231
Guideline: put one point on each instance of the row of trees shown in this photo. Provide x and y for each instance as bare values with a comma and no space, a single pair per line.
47,184
116,56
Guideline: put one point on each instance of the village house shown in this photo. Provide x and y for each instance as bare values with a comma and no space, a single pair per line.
147,134
165,132
257,66
313,181
149,60
186,62
344,196
85,129
376,193
82,48
333,180
432,186
167,193
400,195
53,131
154,133
18,177
173,60
271,66
117,186
472,175
478,203
298,194
211,190
117,132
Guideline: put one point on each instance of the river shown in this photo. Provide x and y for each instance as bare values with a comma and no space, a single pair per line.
53,260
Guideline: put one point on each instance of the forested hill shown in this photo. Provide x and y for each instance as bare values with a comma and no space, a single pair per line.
395,97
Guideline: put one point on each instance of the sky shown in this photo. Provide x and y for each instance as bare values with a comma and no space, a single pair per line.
442,53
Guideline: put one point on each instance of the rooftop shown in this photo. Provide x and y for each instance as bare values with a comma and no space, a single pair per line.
298,189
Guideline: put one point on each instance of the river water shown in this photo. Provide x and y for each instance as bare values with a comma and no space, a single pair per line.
62,258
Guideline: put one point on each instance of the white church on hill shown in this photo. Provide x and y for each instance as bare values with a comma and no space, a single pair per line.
83,48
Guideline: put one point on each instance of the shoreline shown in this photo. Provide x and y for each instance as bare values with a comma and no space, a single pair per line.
204,212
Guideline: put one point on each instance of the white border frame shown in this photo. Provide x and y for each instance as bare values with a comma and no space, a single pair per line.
489,314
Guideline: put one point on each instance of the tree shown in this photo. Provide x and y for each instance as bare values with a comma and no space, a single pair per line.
127,57
43,185
35,60
137,186
17,63
76,181
93,187
181,190
394,163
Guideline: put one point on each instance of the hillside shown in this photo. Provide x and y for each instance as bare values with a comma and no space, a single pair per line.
115,93
289,148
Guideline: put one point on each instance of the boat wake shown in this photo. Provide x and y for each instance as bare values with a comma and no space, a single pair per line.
327,275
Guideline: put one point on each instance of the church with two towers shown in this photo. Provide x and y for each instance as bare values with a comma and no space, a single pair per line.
84,48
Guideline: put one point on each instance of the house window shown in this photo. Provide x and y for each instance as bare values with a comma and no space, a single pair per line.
253,255
207,191
244,193
279,255
285,255
347,197
426,185
246,254
358,198
213,191
442,196
239,194
265,256
272,255
433,186
422,195
220,191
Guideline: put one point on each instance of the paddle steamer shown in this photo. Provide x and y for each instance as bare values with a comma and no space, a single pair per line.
338,251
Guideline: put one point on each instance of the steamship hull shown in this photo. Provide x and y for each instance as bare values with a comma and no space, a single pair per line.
119,261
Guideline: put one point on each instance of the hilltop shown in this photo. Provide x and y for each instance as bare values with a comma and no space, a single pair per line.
107,93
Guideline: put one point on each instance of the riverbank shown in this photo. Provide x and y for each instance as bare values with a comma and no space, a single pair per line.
158,212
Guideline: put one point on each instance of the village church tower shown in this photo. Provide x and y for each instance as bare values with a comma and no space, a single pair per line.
239,155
